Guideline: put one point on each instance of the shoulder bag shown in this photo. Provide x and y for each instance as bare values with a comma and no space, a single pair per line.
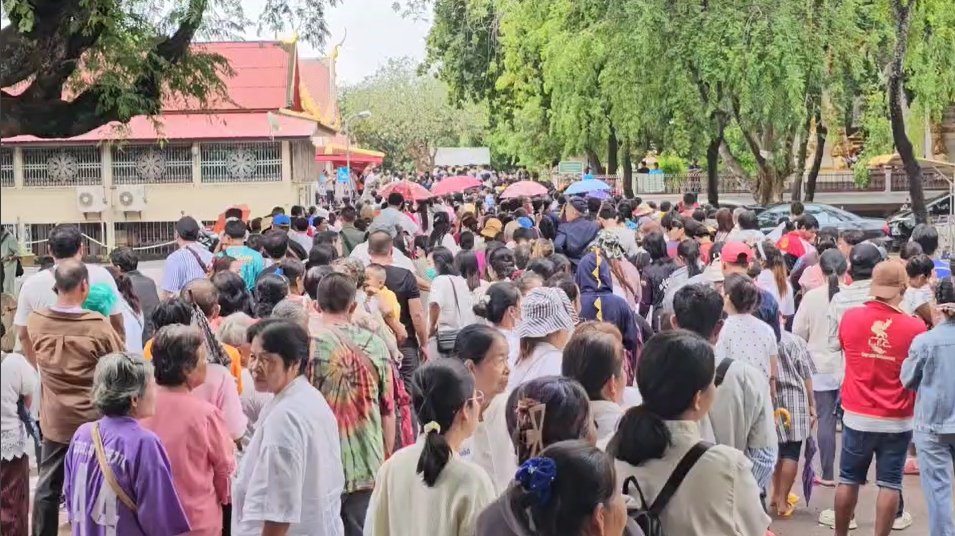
107,471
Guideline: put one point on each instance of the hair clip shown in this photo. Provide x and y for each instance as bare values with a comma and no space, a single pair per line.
536,476
530,418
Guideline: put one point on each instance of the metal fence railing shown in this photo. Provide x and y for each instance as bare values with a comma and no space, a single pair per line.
151,164
93,238
151,239
241,162
6,167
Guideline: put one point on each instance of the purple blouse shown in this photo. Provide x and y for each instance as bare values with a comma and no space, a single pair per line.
142,470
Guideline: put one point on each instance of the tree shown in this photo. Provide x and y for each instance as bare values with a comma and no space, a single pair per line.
70,66
922,63
411,115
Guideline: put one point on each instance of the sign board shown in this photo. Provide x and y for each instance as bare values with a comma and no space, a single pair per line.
570,167
343,175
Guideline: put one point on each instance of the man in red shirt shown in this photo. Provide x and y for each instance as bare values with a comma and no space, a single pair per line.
878,409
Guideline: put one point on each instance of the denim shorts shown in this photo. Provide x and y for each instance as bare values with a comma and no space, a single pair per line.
858,448
790,450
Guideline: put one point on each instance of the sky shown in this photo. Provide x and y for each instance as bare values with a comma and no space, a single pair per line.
375,32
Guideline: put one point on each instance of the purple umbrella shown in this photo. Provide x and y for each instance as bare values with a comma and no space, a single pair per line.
599,194
808,473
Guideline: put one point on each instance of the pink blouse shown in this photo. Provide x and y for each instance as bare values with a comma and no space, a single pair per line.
220,390
201,454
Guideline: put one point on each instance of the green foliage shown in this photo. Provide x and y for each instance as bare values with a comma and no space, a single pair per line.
671,163
411,116
115,60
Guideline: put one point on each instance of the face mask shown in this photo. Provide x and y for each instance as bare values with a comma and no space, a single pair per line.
430,273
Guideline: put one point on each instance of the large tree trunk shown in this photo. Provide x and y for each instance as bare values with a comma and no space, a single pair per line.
593,161
821,132
796,193
903,12
712,173
612,149
627,171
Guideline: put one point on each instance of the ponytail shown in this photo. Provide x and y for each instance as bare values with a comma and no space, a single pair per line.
435,454
833,265
641,436
439,390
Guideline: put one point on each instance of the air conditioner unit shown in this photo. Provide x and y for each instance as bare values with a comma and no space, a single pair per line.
131,198
90,199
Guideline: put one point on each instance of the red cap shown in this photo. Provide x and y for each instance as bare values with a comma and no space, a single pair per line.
732,251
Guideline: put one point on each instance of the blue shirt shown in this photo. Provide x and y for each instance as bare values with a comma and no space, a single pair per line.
928,370
588,176
250,260
943,269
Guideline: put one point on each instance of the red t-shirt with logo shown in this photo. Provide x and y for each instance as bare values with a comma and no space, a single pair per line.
875,339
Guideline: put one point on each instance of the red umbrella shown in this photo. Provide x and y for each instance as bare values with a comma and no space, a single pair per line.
524,188
410,190
456,184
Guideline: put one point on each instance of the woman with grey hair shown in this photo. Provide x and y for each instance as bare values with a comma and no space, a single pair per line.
118,479
234,331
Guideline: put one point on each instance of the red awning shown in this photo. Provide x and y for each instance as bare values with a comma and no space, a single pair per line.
340,156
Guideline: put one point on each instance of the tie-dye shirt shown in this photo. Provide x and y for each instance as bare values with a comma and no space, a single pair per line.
359,390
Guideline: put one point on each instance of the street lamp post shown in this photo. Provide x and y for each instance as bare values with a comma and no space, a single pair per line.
364,114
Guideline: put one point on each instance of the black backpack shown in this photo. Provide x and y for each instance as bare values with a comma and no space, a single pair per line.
648,517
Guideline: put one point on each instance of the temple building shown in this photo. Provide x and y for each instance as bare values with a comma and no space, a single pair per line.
263,144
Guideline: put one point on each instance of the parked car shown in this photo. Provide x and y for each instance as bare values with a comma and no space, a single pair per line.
902,222
827,216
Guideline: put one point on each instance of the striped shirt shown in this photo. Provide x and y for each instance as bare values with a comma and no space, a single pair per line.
182,267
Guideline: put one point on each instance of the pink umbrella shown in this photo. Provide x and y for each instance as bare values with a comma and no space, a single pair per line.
456,184
524,188
412,191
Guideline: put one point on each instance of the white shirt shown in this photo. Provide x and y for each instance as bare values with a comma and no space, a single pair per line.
742,412
606,414
750,236
402,505
915,298
37,292
490,447
454,314
448,241
17,378
749,339
812,324
545,360
398,258
291,471
133,324
513,346
767,281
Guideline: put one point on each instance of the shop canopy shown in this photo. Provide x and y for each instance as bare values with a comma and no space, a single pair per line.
338,154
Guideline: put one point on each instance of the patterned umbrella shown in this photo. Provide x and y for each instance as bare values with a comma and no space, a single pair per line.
410,190
456,184
599,194
808,473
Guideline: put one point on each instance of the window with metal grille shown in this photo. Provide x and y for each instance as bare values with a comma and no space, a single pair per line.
61,166
94,234
152,164
6,167
241,162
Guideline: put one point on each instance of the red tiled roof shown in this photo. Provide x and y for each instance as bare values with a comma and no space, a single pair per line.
259,81
223,126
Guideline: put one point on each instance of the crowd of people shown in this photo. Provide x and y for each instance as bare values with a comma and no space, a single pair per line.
478,365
